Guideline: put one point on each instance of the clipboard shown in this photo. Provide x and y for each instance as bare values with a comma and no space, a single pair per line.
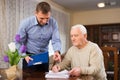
39,59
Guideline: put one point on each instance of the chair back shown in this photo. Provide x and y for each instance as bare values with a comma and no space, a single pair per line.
111,61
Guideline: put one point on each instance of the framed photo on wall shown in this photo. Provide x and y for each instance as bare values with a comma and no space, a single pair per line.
115,36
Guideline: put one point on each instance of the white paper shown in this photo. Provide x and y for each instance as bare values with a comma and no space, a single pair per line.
61,74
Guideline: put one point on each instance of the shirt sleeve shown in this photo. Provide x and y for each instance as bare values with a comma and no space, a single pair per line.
23,35
95,65
56,42
65,64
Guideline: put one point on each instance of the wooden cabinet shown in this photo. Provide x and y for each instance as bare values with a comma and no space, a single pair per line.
104,35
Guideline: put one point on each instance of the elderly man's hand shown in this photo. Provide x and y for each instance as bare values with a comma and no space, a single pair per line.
57,56
75,71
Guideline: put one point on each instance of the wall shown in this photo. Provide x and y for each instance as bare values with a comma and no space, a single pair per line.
104,16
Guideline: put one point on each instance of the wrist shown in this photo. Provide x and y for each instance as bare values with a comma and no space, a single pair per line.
58,52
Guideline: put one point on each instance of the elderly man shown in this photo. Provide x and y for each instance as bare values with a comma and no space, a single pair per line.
84,57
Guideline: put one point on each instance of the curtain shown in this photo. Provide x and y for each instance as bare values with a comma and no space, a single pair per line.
11,13
63,23
3,31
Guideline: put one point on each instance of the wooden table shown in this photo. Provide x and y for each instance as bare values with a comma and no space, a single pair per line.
30,75
38,75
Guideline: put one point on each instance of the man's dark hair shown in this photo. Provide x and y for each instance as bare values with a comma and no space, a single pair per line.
44,7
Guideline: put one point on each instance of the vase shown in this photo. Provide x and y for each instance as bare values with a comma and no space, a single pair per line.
13,73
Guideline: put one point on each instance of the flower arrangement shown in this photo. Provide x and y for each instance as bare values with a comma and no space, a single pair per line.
13,55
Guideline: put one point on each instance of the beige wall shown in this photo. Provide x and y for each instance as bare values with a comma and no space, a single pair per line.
104,16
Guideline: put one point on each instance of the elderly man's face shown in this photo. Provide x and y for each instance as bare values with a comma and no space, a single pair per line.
77,37
42,18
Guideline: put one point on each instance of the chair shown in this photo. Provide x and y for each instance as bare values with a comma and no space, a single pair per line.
111,62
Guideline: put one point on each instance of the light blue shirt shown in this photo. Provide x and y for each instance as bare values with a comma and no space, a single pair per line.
36,37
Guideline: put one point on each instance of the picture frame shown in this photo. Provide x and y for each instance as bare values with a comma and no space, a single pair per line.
115,36
105,36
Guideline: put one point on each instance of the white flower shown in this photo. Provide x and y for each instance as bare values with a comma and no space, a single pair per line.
12,47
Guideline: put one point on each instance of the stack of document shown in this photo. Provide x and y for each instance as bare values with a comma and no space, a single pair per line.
62,74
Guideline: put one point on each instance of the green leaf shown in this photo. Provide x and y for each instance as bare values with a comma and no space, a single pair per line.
11,56
16,54
16,60
14,57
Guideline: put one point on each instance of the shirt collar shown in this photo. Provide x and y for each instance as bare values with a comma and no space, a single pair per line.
36,22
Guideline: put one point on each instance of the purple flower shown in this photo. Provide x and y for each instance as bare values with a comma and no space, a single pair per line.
17,38
6,59
23,49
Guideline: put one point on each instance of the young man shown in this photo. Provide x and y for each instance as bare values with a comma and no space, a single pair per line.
36,32
84,57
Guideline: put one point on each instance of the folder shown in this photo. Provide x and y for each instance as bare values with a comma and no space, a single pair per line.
39,59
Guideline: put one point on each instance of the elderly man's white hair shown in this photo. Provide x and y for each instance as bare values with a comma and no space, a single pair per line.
81,27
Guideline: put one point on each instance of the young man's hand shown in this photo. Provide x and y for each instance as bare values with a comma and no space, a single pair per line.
27,58
57,56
